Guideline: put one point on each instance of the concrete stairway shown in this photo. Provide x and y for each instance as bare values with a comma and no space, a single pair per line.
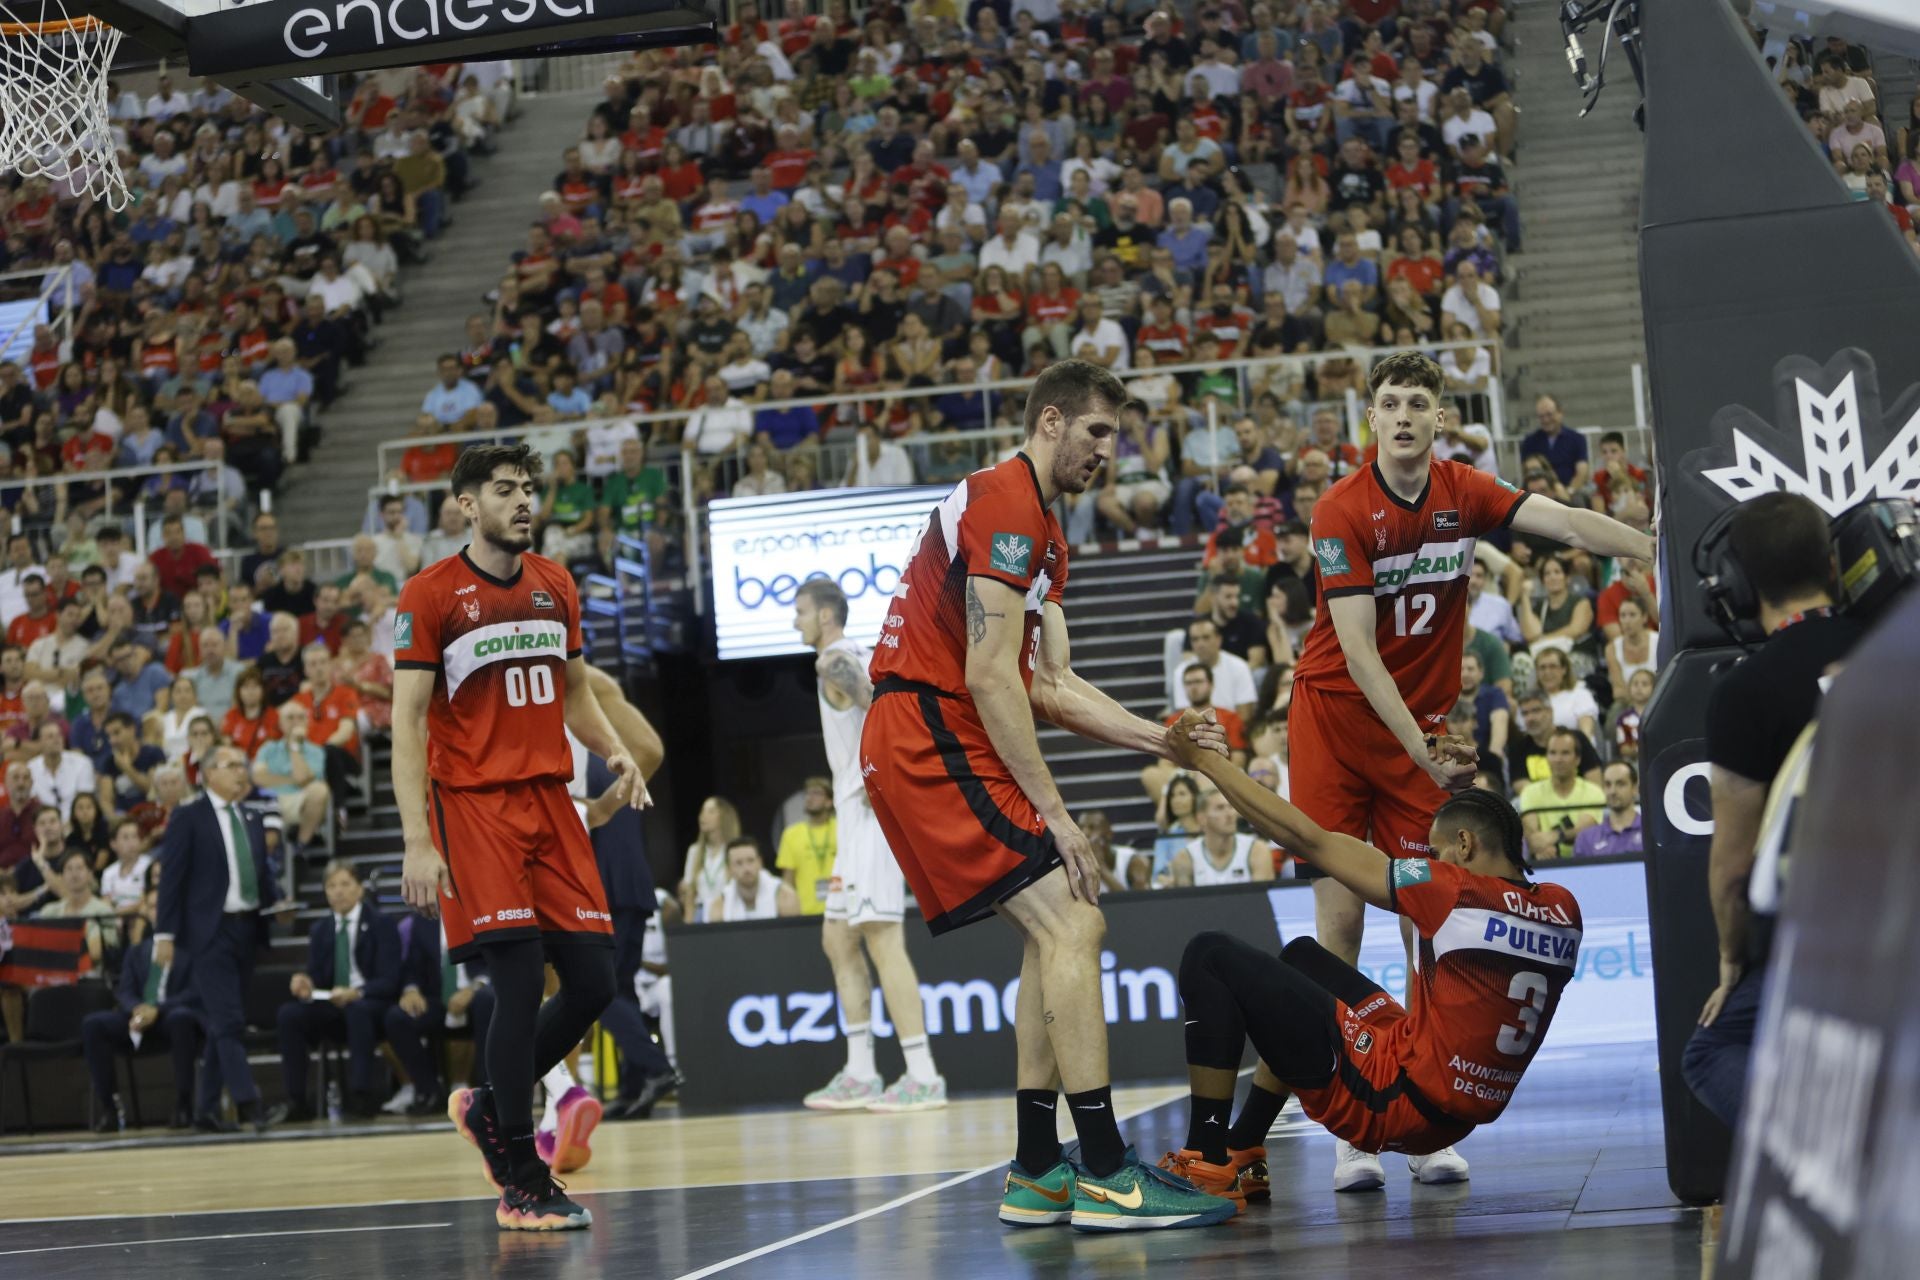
1573,305
326,496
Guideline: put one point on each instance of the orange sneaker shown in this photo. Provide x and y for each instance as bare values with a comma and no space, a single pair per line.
1214,1179
1251,1164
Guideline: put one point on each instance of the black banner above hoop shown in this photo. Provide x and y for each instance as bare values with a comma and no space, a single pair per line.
270,41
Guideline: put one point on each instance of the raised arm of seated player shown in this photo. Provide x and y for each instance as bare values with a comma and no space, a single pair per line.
1355,618
1357,865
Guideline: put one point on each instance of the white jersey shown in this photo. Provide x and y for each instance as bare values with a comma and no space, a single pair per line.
653,950
1237,870
765,904
841,729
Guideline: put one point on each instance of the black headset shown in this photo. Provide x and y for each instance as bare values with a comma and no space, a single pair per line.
1725,588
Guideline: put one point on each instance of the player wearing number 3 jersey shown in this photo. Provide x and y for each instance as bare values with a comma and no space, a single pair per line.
1393,546
488,680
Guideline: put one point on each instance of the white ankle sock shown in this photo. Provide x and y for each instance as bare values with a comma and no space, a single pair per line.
860,1052
557,1082
919,1060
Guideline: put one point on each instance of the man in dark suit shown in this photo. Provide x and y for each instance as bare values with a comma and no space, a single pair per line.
353,957
213,880
160,1005
429,985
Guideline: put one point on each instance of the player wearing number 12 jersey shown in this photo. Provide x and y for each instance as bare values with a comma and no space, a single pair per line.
1393,546
1496,951
488,679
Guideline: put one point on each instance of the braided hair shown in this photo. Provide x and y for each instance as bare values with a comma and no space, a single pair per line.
1489,816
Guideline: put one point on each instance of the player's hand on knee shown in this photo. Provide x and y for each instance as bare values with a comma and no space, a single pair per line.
1076,855
423,877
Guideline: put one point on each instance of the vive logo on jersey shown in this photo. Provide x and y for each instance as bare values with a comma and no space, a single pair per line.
403,631
1332,553
1408,872
1446,522
542,600
1010,553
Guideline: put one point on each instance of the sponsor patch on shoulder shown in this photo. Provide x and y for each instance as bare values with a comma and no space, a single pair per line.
1446,521
403,631
542,600
1411,871
1363,1042
1332,553
1010,553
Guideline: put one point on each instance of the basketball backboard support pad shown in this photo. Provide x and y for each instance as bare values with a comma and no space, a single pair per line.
283,55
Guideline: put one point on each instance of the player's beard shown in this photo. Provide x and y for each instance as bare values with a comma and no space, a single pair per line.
1070,475
506,538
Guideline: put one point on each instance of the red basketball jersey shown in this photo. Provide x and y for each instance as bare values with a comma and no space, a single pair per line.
1494,957
993,525
499,649
1413,558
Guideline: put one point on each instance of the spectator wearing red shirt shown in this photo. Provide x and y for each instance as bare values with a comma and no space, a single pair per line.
1636,580
1168,340
176,560
40,619
1411,169
1257,546
579,190
13,683
789,160
899,257
1197,679
1051,310
335,718
1618,482
1226,324
1323,435
327,624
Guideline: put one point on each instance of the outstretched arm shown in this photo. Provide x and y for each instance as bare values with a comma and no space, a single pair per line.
1063,698
1578,527
1355,864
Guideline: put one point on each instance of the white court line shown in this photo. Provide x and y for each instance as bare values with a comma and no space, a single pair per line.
895,1203
237,1235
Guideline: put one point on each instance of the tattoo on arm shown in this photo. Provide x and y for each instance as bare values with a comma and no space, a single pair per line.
843,673
977,616
1048,1017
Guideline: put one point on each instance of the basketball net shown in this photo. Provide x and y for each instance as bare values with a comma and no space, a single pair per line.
53,100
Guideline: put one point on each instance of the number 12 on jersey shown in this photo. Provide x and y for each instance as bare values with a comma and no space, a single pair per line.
1421,607
536,680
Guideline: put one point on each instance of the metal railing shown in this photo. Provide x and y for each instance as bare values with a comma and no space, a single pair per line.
54,279
138,508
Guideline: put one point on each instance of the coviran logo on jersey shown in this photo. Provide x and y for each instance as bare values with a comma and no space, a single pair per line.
522,642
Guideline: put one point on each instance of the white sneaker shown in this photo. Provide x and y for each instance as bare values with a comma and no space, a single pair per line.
400,1101
1444,1165
1356,1170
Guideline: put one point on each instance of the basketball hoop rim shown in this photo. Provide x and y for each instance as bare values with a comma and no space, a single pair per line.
69,26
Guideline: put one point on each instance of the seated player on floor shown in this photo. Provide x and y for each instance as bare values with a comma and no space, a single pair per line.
1496,950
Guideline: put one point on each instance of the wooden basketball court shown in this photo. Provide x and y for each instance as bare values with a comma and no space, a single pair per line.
1569,1183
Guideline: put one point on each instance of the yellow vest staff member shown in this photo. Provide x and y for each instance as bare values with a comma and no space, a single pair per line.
805,860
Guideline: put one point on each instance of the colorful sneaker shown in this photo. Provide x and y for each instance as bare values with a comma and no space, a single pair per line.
845,1093
1214,1179
908,1094
1139,1197
536,1202
1356,1170
579,1111
1444,1165
472,1117
1037,1200
1254,1179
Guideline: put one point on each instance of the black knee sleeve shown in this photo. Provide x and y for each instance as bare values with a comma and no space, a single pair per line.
1216,1032
586,988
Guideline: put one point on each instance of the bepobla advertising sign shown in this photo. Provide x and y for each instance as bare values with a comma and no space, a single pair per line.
764,548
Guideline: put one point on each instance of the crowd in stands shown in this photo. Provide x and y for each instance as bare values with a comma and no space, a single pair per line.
938,197
1831,84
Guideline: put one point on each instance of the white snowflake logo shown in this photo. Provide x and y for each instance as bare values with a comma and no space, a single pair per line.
1836,474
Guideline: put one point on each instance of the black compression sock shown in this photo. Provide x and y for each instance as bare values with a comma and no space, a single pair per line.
523,1157
1039,1133
1101,1150
1256,1119
1207,1127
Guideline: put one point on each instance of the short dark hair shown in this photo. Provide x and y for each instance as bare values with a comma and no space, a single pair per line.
826,596
336,865
1201,667
60,868
1614,437
1407,369
1564,732
1783,545
1633,771
1489,817
392,498
122,717
745,842
478,462
1073,387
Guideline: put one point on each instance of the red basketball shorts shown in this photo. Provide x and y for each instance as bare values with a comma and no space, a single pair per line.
522,866
963,832
1351,775
1369,1101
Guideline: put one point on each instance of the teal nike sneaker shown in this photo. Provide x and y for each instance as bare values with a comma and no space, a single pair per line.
1037,1200
1140,1197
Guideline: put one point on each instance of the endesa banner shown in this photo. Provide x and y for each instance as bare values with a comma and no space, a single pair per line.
764,548
758,1022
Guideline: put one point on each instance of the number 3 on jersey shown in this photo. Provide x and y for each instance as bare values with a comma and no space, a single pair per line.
1422,609
1530,989
536,680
